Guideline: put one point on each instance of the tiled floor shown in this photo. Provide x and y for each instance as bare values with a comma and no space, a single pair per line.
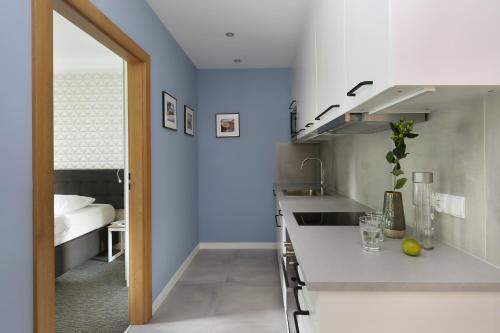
224,291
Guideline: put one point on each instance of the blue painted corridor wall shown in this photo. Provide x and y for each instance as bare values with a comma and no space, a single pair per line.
236,174
173,154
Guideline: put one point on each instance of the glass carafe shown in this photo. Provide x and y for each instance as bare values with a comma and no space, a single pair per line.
423,208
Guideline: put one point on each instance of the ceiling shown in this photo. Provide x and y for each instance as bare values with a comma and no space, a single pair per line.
74,49
266,31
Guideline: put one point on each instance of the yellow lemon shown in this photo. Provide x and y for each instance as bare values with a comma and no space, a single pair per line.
411,247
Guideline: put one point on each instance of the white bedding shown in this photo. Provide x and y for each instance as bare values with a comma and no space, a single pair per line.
59,225
81,222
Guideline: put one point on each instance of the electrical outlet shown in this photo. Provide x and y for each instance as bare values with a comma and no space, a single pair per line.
449,204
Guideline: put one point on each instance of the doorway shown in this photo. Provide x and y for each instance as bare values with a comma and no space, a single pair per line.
87,17
90,206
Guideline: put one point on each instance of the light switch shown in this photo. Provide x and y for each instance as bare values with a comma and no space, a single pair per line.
450,204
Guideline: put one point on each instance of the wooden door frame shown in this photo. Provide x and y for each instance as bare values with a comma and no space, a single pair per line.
87,17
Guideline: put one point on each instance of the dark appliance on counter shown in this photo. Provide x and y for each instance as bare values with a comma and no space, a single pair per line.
294,286
328,218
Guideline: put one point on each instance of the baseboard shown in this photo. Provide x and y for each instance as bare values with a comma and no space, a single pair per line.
171,283
236,246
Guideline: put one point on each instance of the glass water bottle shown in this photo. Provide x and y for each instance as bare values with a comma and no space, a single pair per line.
424,211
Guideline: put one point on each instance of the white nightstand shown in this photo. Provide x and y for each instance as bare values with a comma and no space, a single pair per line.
117,226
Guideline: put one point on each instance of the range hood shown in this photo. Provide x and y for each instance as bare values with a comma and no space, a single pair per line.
365,123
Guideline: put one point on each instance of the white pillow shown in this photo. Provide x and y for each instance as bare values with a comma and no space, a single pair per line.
64,204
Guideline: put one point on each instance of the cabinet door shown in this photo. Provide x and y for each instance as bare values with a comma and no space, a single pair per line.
367,47
279,232
306,63
330,36
297,86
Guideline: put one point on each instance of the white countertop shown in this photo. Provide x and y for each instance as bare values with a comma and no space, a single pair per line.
331,257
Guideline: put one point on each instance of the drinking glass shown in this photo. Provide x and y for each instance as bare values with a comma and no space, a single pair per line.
369,227
379,215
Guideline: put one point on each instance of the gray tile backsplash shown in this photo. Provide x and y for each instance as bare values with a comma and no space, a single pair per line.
459,145
492,169
289,157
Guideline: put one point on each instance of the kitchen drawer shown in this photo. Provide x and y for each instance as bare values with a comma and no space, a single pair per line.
307,302
279,230
309,323
309,298
282,283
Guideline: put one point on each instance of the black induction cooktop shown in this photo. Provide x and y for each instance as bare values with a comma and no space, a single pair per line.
328,218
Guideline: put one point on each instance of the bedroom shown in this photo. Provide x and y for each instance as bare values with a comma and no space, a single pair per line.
90,161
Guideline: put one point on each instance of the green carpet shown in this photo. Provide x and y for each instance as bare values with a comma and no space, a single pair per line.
92,298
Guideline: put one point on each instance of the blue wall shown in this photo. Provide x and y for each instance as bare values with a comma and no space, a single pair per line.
236,174
174,154
235,199
15,168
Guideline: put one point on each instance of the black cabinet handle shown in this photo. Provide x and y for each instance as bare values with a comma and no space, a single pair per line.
276,219
359,85
292,105
300,130
329,108
284,272
297,277
309,124
274,192
299,312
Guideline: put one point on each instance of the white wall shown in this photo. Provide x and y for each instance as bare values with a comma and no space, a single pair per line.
88,101
459,145
75,48
88,120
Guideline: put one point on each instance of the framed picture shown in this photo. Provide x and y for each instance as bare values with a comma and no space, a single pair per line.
188,120
227,125
169,111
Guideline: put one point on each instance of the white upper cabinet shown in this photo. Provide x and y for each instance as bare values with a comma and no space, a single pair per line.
366,49
419,53
304,78
330,56
394,56
445,42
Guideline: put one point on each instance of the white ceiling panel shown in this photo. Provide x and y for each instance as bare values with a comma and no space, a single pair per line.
266,31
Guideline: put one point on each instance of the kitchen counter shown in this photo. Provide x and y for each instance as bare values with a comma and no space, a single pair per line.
331,257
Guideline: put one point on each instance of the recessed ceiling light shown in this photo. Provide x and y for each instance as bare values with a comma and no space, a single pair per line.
229,34
237,61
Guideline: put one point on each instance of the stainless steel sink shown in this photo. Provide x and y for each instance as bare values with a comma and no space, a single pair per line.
302,193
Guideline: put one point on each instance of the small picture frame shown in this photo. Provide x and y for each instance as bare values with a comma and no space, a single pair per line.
188,120
169,111
227,125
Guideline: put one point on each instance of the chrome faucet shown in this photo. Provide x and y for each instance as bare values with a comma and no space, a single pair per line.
321,171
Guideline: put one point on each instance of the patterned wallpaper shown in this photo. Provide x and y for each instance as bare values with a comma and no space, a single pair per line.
88,120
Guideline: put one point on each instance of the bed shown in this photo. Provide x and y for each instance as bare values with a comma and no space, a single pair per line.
81,234
82,221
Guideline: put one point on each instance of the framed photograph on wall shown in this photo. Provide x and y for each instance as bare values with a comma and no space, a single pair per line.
188,120
169,111
227,125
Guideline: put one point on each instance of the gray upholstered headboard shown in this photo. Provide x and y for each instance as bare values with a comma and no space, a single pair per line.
102,185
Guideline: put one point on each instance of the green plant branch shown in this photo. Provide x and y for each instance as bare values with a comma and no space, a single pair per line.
400,131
